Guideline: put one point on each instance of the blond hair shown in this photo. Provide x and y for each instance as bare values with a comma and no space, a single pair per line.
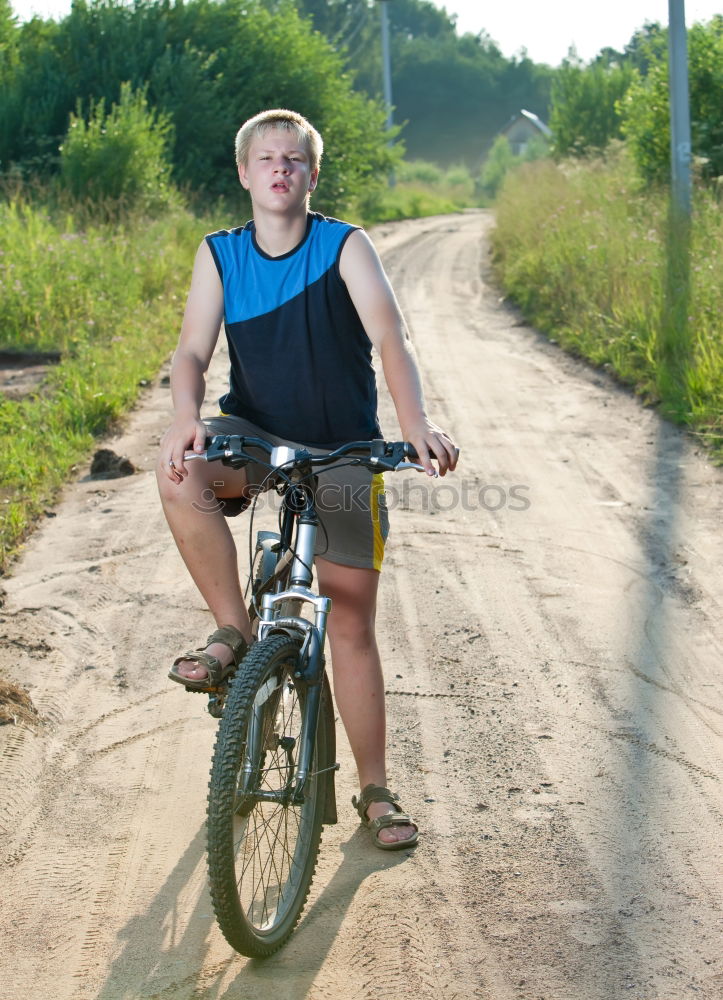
280,118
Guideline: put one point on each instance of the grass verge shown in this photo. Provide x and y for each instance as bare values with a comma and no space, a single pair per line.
109,300
601,266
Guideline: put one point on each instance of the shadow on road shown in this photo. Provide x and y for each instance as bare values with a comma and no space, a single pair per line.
148,967
291,972
645,805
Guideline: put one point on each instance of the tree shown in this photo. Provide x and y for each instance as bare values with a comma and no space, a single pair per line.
118,158
8,33
647,45
452,93
8,65
456,94
210,63
207,66
420,19
585,113
646,112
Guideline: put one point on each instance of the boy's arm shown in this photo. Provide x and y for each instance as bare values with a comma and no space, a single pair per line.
379,311
199,333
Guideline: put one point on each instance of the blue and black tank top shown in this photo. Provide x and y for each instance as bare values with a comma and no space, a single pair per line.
301,364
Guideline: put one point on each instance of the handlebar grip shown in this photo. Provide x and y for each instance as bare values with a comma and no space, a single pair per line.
228,449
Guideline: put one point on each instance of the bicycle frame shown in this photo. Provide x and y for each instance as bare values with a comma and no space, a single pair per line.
301,510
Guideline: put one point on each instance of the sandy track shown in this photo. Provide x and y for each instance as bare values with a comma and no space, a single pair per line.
550,622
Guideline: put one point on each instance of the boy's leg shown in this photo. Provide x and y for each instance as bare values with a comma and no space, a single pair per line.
204,540
358,678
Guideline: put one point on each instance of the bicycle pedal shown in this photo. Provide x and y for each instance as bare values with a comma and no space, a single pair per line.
215,705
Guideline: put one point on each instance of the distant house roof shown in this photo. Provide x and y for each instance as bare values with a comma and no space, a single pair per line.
528,120
522,129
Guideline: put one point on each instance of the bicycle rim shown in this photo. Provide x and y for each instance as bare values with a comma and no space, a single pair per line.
262,854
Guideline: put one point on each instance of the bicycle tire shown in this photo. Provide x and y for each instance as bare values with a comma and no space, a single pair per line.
262,855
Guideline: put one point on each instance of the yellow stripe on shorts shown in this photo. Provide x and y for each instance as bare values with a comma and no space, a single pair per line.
376,488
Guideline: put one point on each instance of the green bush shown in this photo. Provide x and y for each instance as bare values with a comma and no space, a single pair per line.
118,159
646,106
459,181
499,160
421,171
405,201
585,112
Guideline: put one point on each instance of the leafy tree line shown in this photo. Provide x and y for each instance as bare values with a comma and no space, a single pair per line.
624,95
452,93
203,67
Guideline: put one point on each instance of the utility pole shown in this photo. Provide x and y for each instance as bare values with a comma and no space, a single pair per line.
387,76
386,63
679,108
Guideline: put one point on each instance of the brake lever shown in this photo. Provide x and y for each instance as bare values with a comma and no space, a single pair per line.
413,465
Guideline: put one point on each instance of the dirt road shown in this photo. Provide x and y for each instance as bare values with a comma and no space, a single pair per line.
550,622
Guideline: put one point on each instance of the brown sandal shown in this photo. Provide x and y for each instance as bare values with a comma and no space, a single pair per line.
230,636
376,793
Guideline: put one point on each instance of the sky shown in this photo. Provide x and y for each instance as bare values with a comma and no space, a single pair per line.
545,28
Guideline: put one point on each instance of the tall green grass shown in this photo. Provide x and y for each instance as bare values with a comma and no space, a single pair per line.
598,263
108,299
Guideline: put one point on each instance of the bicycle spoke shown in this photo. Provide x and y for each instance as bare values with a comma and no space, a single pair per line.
274,864
278,875
260,889
280,867
272,838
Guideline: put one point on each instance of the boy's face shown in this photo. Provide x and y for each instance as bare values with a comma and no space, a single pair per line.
278,172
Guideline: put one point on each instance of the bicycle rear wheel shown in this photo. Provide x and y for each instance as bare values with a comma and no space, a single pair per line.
262,851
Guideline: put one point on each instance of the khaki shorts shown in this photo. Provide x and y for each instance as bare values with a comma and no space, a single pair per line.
350,501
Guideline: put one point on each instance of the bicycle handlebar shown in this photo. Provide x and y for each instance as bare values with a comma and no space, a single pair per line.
376,455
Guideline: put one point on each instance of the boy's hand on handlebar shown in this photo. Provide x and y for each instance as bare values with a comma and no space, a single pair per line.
431,442
184,434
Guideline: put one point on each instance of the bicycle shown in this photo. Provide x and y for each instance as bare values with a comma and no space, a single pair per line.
272,776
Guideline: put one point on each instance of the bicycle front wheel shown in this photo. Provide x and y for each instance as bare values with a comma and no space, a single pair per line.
262,849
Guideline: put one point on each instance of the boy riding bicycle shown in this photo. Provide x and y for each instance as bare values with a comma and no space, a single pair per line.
304,299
